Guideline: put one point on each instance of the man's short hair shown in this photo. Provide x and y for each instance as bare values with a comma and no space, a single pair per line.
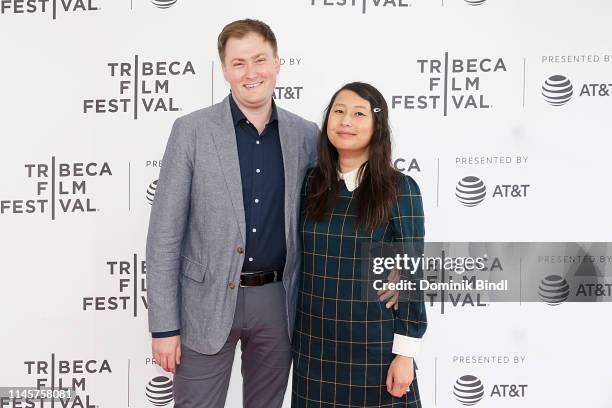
240,28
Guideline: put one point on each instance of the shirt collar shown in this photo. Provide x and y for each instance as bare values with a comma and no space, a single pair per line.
238,116
350,179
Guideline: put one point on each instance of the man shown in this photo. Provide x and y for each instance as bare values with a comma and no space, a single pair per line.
222,249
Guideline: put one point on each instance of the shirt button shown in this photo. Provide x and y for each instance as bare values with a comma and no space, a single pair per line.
257,141
231,285
240,250
257,171
256,200
254,229
250,259
248,123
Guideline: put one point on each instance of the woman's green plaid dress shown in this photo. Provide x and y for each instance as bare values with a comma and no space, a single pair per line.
342,344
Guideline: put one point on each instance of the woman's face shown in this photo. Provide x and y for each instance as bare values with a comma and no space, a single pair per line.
350,123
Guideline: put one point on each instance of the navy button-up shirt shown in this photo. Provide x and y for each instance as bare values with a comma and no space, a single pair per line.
263,191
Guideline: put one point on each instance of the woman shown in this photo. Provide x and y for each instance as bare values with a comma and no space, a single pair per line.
347,351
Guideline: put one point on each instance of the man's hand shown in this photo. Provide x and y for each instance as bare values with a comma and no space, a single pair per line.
400,375
390,295
167,352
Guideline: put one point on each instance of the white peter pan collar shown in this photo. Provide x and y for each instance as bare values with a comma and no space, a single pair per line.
350,179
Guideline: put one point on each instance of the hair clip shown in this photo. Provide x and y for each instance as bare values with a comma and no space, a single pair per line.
376,110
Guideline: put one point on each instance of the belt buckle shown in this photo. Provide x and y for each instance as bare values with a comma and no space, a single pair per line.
247,286
275,276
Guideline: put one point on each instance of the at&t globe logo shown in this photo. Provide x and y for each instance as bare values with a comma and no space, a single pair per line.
151,192
557,90
163,4
470,191
468,390
553,290
475,2
159,391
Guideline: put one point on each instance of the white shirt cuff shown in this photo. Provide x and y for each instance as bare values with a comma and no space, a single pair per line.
406,346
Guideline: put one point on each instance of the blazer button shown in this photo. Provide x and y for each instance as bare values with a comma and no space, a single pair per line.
231,285
240,250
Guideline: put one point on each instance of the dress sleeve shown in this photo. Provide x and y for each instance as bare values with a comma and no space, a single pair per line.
408,227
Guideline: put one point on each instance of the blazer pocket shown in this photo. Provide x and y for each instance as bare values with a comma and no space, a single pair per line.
192,269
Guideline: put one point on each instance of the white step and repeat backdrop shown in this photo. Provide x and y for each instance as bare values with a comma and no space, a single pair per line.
515,95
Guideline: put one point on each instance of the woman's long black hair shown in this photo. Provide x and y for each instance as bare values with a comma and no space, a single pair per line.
377,191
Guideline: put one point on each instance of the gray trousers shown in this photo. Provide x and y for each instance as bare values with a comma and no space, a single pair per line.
201,380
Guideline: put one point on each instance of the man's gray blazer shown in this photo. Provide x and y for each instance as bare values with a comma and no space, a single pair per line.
196,238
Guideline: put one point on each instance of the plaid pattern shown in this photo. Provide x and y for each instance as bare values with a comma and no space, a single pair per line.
342,344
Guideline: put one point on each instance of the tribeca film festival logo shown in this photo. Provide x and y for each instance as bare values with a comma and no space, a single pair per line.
452,84
384,4
60,187
469,390
471,191
60,375
131,283
142,85
364,5
163,4
457,298
52,7
406,165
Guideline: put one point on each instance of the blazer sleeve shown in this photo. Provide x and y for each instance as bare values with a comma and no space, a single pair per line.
167,223
408,227
312,143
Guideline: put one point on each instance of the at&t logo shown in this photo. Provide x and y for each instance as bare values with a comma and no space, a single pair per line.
163,4
469,390
557,90
151,192
471,191
553,290
287,92
159,391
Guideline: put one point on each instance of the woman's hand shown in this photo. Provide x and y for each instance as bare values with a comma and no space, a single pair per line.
390,295
400,375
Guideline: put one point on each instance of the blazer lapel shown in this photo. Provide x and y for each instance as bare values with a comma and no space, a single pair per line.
224,136
289,146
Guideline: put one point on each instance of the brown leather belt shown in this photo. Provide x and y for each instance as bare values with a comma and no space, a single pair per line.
259,278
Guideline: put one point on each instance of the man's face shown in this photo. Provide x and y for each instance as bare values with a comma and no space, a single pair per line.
250,67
